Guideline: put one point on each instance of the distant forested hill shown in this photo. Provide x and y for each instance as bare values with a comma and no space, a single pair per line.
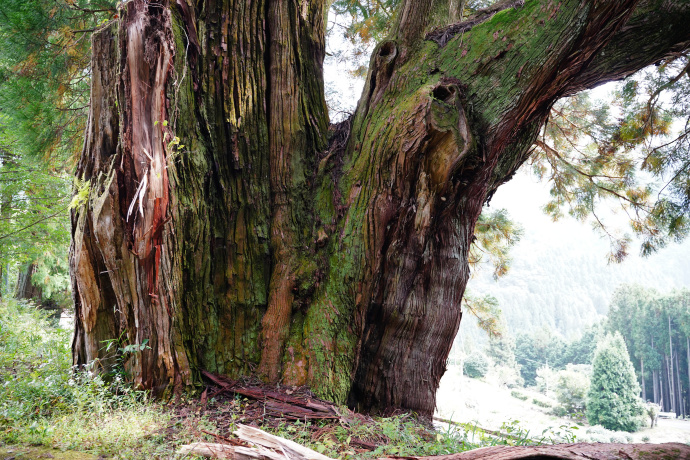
559,277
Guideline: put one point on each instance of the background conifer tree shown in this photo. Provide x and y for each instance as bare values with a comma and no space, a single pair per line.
613,400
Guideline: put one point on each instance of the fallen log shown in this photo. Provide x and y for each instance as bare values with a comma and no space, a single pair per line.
580,451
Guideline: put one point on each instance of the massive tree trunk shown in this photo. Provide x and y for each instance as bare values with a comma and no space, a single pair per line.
270,244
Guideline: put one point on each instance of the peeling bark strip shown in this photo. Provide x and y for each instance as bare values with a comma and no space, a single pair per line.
260,247
125,162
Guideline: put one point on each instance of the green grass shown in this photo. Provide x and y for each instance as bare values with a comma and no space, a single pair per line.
401,435
45,402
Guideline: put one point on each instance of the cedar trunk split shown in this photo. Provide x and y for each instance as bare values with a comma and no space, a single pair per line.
229,226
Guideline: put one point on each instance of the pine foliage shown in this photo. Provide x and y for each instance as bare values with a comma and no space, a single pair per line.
44,102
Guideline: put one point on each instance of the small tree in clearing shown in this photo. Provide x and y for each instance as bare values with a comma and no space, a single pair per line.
613,400
572,388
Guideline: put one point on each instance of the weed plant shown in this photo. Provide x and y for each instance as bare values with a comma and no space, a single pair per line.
518,395
44,401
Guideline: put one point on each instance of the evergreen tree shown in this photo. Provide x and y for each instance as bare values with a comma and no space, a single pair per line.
541,349
613,400
501,350
476,365
581,351
45,78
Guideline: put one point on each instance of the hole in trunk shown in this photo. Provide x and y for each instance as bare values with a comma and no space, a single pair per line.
387,49
444,93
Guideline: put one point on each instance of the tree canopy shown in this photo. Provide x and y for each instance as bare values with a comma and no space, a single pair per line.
44,93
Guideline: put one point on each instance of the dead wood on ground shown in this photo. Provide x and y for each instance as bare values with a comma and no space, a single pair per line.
266,446
581,451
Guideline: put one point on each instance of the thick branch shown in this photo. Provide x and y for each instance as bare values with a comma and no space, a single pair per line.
438,129
657,29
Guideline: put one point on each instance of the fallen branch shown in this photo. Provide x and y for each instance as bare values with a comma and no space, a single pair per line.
276,403
224,451
266,447
290,449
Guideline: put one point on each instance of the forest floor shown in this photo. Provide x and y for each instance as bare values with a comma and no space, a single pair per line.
47,410
490,406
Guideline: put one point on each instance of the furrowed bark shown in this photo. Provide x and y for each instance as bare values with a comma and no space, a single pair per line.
298,122
91,288
509,71
220,203
223,229
203,262
217,239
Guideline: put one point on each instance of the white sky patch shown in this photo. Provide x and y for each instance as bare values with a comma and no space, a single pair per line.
343,90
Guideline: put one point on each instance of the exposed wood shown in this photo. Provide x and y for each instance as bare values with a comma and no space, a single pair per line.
290,449
266,447
224,451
